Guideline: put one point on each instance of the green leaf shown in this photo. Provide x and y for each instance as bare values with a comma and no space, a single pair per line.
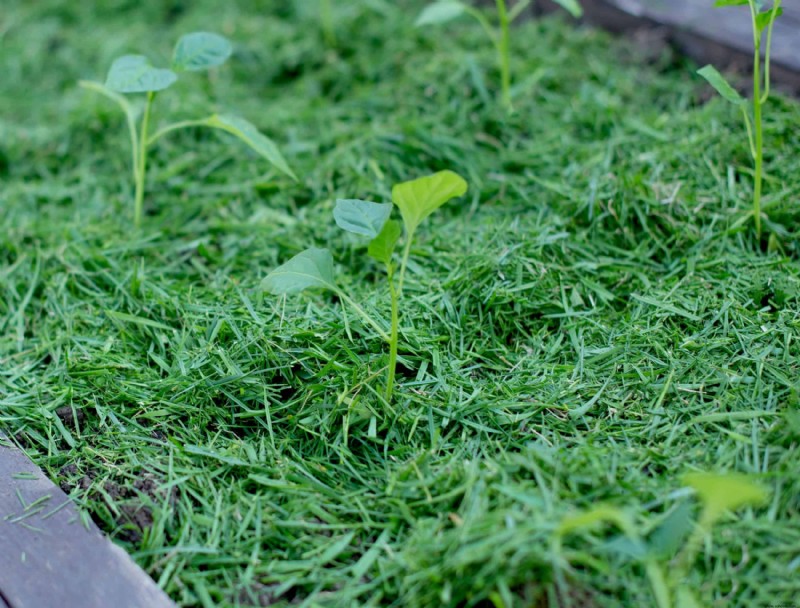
251,136
440,12
200,51
308,269
668,537
719,3
571,6
628,548
419,198
721,493
717,80
595,516
764,19
134,74
382,246
361,217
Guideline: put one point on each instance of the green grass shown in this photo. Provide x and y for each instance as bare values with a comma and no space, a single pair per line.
595,319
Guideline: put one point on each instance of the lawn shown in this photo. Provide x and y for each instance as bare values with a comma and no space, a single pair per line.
593,320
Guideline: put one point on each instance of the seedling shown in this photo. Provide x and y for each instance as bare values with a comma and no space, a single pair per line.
500,35
313,268
135,74
660,547
763,19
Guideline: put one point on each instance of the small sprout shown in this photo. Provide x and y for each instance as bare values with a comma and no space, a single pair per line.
762,20
443,11
135,74
677,533
313,268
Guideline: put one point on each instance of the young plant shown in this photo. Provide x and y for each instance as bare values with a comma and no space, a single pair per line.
763,20
313,268
135,74
500,35
655,550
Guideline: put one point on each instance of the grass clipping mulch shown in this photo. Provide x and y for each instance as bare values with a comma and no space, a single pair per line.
589,324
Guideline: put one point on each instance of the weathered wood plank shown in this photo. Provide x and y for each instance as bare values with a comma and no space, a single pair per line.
721,36
50,558
729,26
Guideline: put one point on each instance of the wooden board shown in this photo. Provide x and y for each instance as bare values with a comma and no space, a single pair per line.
722,36
50,557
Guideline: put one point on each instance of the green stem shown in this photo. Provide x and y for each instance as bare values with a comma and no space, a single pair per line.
773,16
395,336
130,118
759,132
404,262
184,124
504,53
142,171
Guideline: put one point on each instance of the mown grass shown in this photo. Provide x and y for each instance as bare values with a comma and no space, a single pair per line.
592,321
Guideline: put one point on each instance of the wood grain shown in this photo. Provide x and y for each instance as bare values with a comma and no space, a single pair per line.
51,557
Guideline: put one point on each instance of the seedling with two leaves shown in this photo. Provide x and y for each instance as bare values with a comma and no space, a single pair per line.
135,74
313,268
500,35
678,538
763,20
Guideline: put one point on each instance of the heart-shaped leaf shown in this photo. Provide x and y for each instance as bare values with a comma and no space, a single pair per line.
308,269
382,246
134,74
200,51
717,80
721,493
251,136
440,12
361,217
419,198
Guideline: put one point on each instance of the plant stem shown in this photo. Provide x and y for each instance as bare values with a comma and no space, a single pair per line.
758,129
184,124
395,335
142,170
504,54
404,263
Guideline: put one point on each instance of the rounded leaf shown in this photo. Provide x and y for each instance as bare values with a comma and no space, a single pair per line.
419,198
134,74
200,51
308,269
361,217
440,12
728,492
